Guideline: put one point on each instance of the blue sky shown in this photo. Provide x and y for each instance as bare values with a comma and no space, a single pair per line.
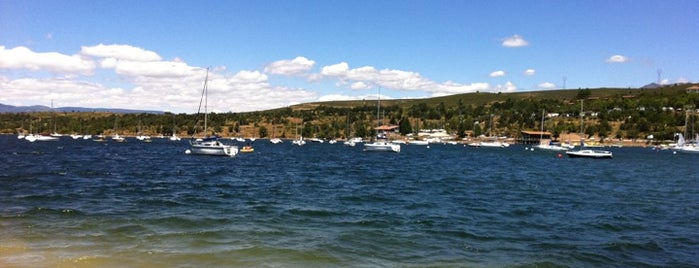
269,54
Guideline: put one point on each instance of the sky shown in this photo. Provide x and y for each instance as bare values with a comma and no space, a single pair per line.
262,55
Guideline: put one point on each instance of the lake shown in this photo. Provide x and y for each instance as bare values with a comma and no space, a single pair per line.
80,203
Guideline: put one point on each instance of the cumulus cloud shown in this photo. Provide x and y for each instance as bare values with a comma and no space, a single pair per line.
120,52
367,77
136,78
514,41
497,74
359,85
546,85
617,59
507,87
297,66
529,72
24,58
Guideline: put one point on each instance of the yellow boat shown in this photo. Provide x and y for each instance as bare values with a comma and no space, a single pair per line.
247,149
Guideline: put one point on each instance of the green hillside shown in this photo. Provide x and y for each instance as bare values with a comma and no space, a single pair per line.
612,113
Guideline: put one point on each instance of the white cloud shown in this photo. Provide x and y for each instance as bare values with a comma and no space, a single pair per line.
336,70
136,78
546,85
359,85
24,58
120,52
368,77
530,72
514,41
497,74
507,87
149,68
617,59
297,66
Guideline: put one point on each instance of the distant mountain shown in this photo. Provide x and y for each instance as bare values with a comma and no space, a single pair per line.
40,108
652,85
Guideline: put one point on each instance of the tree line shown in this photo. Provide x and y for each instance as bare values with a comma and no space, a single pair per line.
628,114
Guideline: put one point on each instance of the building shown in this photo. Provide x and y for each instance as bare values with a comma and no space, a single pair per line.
533,137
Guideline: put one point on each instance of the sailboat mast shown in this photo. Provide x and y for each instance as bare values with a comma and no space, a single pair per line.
581,119
206,100
378,108
543,113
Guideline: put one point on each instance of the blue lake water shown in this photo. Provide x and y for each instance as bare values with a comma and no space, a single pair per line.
78,203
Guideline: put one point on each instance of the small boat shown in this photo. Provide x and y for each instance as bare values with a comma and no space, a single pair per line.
174,137
589,153
118,138
418,142
381,146
491,141
276,140
493,144
381,143
211,146
40,137
247,149
685,147
299,142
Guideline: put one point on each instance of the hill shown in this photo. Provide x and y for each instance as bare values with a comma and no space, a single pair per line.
40,108
618,113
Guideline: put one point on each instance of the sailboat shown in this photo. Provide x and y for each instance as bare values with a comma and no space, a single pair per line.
299,141
381,144
682,145
116,137
491,141
274,139
583,152
547,144
209,145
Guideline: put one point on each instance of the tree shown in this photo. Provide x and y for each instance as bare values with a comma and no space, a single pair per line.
263,132
477,130
404,126
583,94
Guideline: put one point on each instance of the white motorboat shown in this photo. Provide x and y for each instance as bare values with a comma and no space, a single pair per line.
491,144
212,146
418,142
589,153
276,140
381,146
37,137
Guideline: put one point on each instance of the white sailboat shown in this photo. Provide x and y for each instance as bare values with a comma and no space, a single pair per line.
299,141
209,145
381,144
547,144
584,152
686,147
491,141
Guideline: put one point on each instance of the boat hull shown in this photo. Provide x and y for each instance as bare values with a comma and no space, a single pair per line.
382,147
216,148
589,154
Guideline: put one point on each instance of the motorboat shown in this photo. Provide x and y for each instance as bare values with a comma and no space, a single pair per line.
381,146
589,153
